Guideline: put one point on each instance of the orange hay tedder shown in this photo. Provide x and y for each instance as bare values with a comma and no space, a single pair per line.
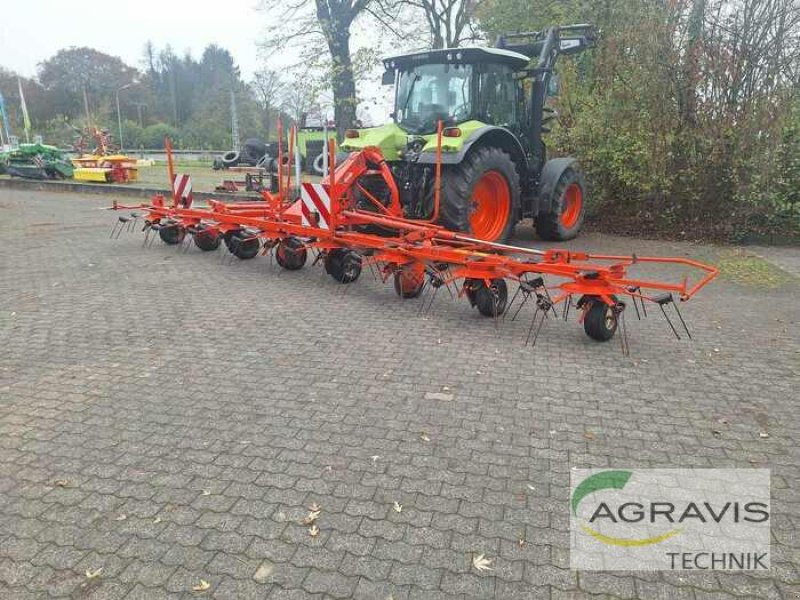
418,256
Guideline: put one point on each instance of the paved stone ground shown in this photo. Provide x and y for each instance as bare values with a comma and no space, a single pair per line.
169,419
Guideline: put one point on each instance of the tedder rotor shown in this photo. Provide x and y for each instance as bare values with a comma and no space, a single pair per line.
419,258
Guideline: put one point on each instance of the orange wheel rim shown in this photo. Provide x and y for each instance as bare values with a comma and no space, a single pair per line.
572,205
492,206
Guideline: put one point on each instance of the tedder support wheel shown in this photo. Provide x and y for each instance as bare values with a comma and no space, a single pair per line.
291,254
490,301
481,195
207,240
569,208
172,233
343,265
600,320
409,280
242,246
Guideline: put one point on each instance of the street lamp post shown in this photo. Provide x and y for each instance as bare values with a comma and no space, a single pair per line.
119,114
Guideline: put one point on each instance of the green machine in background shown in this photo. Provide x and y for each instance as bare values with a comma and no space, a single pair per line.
36,161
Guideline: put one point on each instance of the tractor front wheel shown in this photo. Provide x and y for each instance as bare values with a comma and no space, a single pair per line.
481,195
568,204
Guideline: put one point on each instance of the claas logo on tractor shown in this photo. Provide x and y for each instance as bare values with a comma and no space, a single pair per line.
347,224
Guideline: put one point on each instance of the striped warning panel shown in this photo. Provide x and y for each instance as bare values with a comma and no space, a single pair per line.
315,204
182,190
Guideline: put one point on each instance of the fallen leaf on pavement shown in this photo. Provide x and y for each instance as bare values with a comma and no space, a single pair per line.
202,586
90,574
481,563
313,531
398,508
311,517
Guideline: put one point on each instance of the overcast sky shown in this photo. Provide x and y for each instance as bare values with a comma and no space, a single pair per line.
33,30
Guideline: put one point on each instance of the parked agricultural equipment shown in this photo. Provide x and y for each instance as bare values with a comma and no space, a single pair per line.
495,166
419,259
37,161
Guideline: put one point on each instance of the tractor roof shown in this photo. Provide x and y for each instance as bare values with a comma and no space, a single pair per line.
459,55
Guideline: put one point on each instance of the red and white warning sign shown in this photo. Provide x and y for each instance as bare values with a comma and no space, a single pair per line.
182,190
315,204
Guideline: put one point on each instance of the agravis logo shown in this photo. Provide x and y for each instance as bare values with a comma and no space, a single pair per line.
669,518
603,481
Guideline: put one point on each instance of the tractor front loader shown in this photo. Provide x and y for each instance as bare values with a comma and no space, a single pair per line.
490,106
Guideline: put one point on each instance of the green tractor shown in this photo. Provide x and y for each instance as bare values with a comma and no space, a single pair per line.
491,102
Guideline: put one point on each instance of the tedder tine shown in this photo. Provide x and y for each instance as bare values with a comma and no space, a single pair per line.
510,304
567,305
661,300
619,315
680,316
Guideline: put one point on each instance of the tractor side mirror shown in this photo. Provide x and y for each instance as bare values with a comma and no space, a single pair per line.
573,45
387,78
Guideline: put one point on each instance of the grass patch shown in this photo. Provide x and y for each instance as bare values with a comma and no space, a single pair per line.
742,267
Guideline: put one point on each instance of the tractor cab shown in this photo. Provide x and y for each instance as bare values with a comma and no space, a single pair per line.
455,86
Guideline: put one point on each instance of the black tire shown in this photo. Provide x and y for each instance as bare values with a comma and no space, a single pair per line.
207,240
291,254
242,246
171,233
230,159
408,284
490,301
343,265
600,322
458,185
550,226
317,165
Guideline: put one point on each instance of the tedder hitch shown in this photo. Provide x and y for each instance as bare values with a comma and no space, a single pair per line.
419,257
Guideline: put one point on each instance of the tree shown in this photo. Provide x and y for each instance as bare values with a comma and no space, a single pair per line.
84,80
450,23
267,87
329,21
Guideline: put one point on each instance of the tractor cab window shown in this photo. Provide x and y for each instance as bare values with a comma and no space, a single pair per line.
497,95
429,93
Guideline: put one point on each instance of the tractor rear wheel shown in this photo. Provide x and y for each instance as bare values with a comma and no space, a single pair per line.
569,208
481,195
